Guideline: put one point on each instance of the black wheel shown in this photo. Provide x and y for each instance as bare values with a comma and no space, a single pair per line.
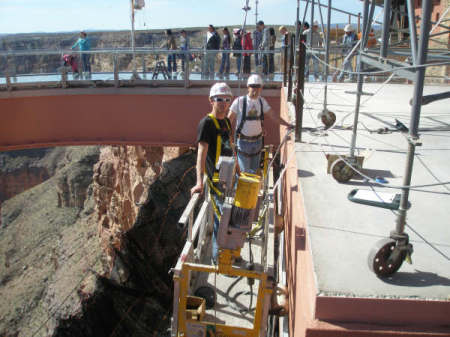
208,294
341,171
328,119
381,261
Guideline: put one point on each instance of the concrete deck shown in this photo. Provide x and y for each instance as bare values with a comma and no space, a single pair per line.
330,237
342,233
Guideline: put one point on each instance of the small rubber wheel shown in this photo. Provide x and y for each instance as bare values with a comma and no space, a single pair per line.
328,119
208,294
379,261
340,171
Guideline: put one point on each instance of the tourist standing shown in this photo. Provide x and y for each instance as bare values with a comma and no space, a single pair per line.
247,44
170,44
226,45
212,44
84,44
184,45
237,45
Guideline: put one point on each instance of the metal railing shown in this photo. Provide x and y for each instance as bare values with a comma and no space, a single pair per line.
117,67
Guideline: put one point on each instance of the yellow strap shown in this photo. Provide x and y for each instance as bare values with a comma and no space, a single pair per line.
219,137
216,210
214,188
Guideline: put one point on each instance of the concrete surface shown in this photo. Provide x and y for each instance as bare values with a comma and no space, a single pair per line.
341,232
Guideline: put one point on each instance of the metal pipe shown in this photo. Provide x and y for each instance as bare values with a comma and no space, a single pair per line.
133,47
321,17
327,55
311,24
300,63
412,30
291,64
297,25
385,29
415,112
360,83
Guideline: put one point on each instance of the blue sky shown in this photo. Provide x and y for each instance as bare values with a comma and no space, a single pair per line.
27,16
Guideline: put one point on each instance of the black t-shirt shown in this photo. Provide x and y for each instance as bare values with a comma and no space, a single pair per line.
207,132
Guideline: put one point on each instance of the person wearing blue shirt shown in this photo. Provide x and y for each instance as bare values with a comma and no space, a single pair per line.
84,44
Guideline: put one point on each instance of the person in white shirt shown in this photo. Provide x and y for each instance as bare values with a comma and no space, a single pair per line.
247,114
313,40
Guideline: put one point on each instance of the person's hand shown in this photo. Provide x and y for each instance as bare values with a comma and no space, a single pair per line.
197,189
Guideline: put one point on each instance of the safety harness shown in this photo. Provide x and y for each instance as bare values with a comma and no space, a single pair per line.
215,178
245,118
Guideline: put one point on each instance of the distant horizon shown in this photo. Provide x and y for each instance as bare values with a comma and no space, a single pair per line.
51,16
341,24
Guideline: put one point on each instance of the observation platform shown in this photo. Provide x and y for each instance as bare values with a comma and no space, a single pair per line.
330,237
42,111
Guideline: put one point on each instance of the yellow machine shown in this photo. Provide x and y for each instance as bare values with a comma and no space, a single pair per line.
239,212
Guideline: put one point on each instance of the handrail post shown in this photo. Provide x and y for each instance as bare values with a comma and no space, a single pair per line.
8,81
299,90
116,71
285,61
186,69
143,67
63,77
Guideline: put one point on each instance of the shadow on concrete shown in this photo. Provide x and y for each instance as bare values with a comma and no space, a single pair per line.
304,174
417,279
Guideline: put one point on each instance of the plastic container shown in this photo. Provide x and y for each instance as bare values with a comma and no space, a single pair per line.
247,191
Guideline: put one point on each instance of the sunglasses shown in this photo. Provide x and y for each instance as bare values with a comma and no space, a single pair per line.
220,99
255,85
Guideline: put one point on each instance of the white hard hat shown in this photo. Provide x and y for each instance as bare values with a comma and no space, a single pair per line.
220,88
255,79
316,23
348,28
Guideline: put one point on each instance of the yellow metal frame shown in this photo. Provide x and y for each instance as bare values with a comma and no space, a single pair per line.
225,267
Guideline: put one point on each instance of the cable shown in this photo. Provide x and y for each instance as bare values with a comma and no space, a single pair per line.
373,181
378,71
67,297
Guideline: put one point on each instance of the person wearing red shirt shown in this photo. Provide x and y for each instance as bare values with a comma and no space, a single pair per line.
247,44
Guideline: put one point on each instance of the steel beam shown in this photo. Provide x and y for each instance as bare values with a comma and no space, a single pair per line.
385,29
389,65
412,30
415,113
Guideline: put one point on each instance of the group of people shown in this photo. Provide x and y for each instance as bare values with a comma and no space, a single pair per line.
232,45
232,128
262,39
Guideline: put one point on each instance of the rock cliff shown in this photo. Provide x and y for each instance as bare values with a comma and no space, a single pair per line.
87,251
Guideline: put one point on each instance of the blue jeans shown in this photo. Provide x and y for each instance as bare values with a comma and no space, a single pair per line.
86,63
249,164
208,71
347,67
238,63
215,247
171,63
225,64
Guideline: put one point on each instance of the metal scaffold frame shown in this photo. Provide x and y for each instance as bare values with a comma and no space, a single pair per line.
377,61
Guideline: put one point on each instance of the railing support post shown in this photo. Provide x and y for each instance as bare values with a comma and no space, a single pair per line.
116,71
186,69
299,90
64,77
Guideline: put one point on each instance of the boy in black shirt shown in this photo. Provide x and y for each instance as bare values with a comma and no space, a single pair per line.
214,140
